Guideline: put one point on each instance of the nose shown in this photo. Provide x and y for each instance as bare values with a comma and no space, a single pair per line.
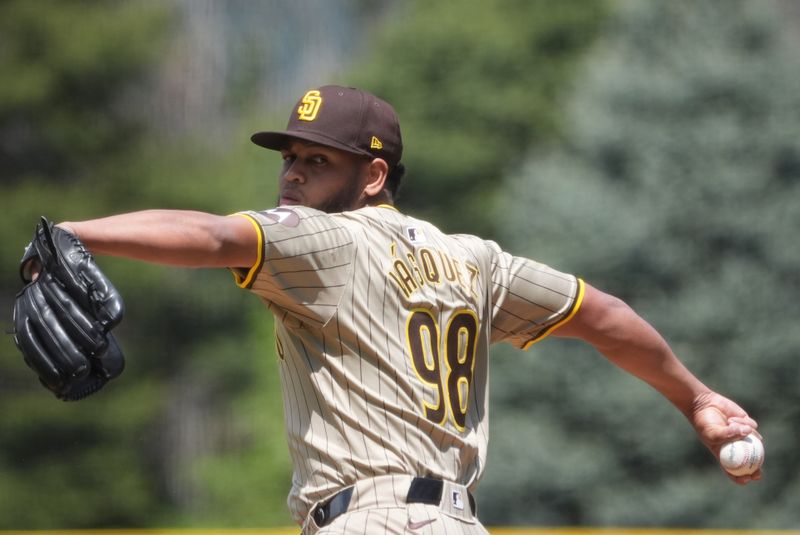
293,173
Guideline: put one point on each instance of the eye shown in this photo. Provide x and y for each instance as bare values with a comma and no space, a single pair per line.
318,159
288,157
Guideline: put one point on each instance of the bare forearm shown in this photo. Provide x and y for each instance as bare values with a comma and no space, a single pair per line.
636,347
628,341
172,237
632,344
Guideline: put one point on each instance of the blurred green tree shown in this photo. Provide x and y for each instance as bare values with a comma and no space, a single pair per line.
67,68
76,142
675,187
475,82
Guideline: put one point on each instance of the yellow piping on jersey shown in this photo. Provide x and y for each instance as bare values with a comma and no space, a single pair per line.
247,280
575,307
389,206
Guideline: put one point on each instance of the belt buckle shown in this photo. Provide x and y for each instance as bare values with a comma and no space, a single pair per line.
319,515
325,512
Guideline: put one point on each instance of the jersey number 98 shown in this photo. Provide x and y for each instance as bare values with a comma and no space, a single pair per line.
458,348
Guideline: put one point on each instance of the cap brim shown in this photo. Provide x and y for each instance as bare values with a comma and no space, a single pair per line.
280,140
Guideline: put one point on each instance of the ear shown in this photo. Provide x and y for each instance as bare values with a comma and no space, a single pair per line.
377,172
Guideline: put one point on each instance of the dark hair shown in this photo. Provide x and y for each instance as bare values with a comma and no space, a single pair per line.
394,178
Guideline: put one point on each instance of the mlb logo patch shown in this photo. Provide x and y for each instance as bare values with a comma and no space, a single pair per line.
456,500
415,235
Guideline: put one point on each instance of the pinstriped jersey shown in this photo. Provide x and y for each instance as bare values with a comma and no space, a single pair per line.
383,328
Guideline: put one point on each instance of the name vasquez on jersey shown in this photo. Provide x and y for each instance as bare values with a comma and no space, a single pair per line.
413,269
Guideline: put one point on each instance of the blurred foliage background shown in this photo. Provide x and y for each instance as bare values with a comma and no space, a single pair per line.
650,146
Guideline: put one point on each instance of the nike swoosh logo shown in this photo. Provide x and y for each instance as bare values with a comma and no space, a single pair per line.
416,525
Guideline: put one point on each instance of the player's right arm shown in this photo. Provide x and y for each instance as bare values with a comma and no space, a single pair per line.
630,342
172,237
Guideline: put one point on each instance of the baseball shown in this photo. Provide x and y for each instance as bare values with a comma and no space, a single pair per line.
742,457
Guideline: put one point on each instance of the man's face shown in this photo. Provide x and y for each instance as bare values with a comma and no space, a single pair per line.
321,177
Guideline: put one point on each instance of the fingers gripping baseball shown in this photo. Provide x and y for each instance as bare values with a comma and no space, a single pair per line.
719,421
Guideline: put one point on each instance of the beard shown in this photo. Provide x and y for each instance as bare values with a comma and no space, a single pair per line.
343,200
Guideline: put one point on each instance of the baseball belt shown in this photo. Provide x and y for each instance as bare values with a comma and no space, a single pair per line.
426,490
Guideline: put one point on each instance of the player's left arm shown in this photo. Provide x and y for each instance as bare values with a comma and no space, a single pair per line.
172,237
627,340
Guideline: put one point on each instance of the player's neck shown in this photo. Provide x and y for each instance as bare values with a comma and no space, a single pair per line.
383,198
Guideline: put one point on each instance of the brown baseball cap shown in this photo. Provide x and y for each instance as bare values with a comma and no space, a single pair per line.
343,118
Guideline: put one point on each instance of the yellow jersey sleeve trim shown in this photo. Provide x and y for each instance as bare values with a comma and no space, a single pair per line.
246,280
571,314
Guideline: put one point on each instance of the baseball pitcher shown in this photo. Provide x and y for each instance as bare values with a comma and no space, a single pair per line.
384,324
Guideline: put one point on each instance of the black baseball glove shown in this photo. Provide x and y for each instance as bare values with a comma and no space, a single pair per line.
63,318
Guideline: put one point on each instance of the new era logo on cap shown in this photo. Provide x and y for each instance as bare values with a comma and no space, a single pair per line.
344,118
